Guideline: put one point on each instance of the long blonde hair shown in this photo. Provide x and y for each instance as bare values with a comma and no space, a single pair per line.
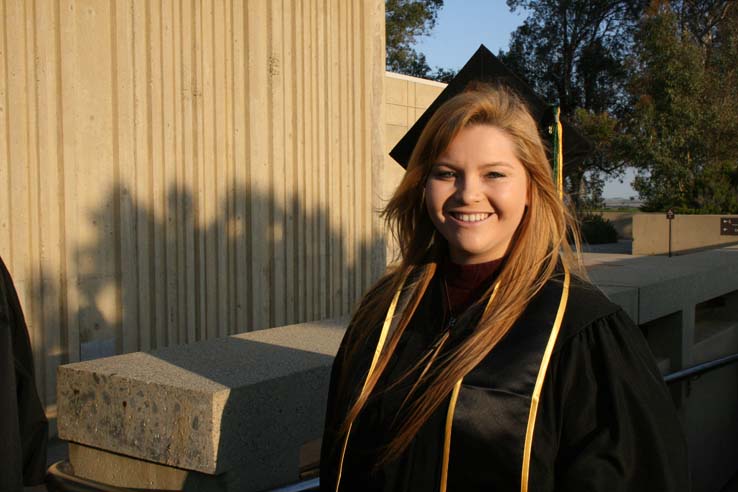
539,245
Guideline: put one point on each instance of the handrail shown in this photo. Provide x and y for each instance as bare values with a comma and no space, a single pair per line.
304,486
699,369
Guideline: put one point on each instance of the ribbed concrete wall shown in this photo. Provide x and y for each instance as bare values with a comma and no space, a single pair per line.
172,171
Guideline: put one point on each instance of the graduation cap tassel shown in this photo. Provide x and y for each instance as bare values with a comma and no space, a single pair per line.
558,152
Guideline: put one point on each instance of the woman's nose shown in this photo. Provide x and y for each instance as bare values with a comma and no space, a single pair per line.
468,190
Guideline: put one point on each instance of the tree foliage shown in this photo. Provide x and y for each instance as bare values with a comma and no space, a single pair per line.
573,52
651,82
683,125
405,21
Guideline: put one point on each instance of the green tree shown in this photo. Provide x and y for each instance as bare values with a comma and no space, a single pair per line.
606,161
573,53
405,21
683,125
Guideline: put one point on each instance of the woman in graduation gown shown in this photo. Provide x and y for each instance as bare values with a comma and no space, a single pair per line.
23,424
484,361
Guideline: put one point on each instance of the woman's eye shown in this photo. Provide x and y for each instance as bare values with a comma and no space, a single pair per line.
441,174
495,175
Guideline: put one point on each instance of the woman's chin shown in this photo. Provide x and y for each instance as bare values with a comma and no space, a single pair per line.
469,256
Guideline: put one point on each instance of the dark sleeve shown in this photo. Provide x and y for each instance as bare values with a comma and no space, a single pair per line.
349,366
23,427
337,406
329,444
618,428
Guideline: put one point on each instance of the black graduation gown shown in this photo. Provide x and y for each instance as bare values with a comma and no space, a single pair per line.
23,425
605,421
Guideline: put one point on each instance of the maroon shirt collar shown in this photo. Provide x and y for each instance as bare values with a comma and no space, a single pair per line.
466,283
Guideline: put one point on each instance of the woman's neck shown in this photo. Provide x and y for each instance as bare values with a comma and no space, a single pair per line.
464,284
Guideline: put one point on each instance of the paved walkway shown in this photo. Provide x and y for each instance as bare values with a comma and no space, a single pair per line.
623,247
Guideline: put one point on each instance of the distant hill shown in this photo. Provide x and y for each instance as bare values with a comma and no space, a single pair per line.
619,202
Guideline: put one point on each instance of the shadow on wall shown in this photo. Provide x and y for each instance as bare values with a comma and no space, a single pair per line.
180,270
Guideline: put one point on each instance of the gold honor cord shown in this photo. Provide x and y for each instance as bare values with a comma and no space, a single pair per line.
539,382
447,440
558,153
452,409
377,352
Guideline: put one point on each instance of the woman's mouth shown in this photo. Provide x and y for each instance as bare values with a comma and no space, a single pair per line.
470,218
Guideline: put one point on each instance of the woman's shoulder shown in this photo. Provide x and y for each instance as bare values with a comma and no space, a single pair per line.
586,306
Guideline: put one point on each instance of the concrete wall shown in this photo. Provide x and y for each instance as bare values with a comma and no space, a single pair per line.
688,308
176,171
405,99
688,233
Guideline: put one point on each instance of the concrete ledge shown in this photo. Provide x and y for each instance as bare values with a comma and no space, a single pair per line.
664,285
250,399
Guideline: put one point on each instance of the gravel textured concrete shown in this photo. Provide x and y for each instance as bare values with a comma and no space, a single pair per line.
250,399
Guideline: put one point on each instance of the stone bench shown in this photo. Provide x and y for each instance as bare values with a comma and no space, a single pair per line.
224,414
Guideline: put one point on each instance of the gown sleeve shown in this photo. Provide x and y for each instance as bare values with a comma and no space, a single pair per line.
23,426
328,450
618,429
337,407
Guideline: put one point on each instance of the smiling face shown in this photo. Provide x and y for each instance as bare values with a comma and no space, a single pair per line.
476,194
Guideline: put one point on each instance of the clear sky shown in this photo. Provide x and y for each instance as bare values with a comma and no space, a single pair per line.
463,25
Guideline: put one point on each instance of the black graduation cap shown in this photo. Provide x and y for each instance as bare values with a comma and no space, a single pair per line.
485,67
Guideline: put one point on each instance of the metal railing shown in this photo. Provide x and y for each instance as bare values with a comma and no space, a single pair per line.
699,369
305,486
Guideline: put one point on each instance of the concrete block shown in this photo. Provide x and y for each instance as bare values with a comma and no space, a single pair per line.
249,400
393,134
411,97
396,115
395,90
425,94
121,471
118,470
